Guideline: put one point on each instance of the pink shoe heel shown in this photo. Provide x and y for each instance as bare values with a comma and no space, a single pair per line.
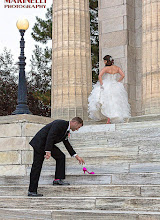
85,170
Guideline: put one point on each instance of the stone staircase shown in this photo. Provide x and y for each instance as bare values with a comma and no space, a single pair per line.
126,184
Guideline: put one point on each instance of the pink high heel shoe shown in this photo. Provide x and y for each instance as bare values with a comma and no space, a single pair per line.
85,170
108,121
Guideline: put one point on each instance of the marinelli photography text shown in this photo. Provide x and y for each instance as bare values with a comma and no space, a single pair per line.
25,3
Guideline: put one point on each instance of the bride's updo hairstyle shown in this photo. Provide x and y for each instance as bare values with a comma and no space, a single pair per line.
109,59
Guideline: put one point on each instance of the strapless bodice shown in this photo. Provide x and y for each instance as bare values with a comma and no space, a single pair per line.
108,76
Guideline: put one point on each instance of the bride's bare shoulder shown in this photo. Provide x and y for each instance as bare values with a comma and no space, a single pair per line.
114,66
105,68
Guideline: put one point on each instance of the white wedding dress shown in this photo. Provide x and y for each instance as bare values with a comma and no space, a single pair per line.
111,101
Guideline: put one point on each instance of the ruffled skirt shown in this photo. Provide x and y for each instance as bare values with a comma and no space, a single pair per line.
110,102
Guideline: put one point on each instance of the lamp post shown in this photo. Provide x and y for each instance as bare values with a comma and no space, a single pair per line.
22,107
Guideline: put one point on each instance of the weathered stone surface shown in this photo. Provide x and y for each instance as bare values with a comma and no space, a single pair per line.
72,81
146,178
95,128
105,215
150,191
131,9
12,143
153,216
75,169
150,73
11,119
129,23
17,214
108,3
47,203
126,183
132,39
138,3
145,168
117,159
113,24
116,52
114,39
13,170
10,130
74,191
27,157
30,129
91,179
92,214
148,121
129,2
117,11
78,179
153,117
138,13
108,151
10,157
130,204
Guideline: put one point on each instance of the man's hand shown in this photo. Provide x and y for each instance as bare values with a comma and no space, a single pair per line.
48,155
81,161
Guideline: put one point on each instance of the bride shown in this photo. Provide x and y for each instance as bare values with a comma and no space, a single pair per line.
109,98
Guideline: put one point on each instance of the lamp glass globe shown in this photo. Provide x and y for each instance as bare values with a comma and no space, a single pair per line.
22,24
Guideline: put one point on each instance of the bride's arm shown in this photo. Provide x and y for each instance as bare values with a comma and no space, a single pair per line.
101,74
122,74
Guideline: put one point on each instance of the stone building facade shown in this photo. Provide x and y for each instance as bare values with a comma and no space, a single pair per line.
128,31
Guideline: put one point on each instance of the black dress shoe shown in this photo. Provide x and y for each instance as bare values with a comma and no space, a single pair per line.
60,182
34,194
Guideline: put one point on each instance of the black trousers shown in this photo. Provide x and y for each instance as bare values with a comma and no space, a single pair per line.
38,159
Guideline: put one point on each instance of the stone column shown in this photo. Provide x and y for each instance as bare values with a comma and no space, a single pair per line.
151,57
71,71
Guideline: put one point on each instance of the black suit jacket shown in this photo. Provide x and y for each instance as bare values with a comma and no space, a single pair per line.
51,134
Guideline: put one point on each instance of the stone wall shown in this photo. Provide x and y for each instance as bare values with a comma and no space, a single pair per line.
151,57
15,133
138,46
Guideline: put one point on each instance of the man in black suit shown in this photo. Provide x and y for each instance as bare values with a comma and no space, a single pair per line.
43,144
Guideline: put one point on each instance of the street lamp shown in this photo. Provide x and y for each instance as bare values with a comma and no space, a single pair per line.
22,107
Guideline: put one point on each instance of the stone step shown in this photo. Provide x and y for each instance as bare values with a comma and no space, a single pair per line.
101,130
25,214
46,203
76,169
116,136
104,215
142,153
85,190
88,203
48,179
81,190
148,125
72,214
100,179
104,169
151,117
112,160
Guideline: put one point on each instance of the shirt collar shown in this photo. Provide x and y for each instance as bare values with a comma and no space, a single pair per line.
68,129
